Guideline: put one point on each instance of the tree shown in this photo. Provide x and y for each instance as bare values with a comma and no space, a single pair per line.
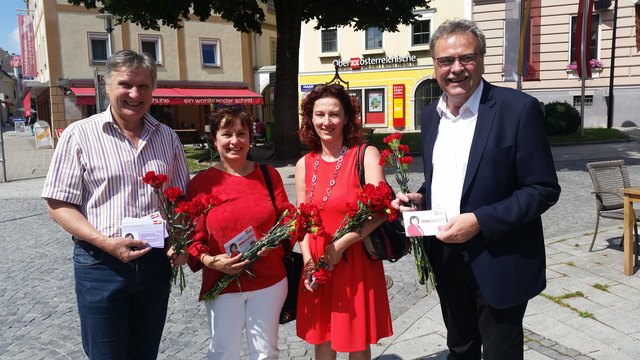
247,16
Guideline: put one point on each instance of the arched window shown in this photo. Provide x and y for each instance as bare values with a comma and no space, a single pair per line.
426,92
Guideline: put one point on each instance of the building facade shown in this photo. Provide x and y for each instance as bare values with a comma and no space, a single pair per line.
200,66
551,76
392,73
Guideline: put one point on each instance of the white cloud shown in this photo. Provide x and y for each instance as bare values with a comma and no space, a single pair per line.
14,36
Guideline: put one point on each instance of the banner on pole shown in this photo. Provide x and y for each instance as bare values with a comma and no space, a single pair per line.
27,46
583,26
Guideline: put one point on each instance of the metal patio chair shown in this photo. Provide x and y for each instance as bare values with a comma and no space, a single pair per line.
609,178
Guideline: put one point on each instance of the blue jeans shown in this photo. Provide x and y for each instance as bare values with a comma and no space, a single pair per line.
122,306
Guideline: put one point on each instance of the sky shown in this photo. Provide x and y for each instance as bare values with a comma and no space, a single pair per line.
9,39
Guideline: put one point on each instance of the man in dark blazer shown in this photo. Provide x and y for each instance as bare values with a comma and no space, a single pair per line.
487,163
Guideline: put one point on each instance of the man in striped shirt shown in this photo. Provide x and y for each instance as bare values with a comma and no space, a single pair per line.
94,181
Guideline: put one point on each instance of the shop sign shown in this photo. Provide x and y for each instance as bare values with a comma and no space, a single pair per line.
357,63
205,101
398,105
306,87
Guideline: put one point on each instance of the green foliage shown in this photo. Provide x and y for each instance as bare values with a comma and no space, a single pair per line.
589,135
561,118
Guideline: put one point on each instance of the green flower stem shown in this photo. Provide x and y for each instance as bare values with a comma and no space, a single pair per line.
271,239
352,224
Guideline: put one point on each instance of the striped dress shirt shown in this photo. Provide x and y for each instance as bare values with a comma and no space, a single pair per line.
96,167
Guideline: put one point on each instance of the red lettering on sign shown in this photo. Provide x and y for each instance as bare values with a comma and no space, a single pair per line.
354,63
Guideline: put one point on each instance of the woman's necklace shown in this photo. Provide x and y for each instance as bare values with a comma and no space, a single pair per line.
314,178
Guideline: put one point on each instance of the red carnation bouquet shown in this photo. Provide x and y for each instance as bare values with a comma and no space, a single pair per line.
181,216
371,200
396,157
292,225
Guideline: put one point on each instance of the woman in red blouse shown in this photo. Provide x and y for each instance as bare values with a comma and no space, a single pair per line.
245,213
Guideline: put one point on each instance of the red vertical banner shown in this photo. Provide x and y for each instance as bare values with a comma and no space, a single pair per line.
26,103
398,105
583,25
27,46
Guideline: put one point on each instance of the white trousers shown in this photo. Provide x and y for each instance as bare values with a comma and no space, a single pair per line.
258,311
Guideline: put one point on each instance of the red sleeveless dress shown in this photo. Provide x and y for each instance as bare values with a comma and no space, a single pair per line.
352,309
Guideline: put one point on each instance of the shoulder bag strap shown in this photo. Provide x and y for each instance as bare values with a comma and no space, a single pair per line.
362,148
269,184
267,181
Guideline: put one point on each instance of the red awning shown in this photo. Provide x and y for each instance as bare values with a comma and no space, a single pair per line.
180,96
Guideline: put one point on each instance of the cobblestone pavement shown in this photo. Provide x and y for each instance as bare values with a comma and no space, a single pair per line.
38,315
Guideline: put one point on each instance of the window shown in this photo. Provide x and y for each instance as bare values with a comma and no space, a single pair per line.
273,50
421,33
592,37
588,101
150,44
210,52
98,48
374,38
374,107
329,40
426,92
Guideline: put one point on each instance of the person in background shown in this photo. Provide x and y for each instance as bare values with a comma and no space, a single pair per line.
351,310
259,130
32,119
254,301
94,181
488,165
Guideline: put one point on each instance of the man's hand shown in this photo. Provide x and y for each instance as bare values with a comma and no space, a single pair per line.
407,202
126,250
459,229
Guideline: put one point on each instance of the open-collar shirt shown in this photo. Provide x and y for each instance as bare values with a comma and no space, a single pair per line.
451,153
96,167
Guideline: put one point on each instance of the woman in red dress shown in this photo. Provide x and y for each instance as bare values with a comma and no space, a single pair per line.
351,310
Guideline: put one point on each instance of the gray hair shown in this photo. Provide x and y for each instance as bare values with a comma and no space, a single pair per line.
127,60
459,26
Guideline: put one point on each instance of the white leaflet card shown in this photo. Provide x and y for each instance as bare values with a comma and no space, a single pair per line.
424,223
157,215
149,230
241,242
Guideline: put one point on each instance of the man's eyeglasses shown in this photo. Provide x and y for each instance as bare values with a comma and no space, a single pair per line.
448,61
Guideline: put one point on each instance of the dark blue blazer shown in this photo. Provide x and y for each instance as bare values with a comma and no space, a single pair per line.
510,181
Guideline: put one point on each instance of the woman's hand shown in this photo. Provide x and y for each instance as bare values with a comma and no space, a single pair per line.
265,251
332,255
224,263
177,259
307,273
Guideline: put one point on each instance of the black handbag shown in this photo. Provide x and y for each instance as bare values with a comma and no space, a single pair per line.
293,266
388,241
292,263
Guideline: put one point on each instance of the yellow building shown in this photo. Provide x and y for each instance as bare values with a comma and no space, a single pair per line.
390,73
200,66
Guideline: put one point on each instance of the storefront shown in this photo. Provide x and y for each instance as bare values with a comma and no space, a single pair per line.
177,107
392,90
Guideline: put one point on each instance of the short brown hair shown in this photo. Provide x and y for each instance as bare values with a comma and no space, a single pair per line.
223,119
352,131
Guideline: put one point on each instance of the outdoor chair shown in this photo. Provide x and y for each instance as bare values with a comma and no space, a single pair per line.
609,178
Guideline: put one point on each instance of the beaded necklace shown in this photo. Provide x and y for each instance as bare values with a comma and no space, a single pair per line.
314,178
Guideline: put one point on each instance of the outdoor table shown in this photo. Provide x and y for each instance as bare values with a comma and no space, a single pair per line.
631,195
